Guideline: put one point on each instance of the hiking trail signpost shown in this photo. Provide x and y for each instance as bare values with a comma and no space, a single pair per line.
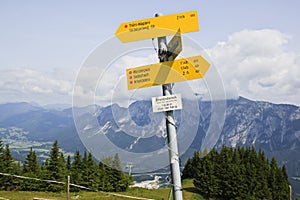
158,26
166,72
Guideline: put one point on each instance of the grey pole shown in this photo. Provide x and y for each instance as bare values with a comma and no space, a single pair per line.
170,126
68,188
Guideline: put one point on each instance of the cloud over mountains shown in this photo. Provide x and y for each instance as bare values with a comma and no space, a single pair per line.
252,63
257,64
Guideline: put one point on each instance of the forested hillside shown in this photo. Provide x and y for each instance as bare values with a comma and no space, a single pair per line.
83,171
237,174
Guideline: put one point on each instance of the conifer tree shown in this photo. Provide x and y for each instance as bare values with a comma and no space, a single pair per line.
282,184
55,169
239,174
84,161
31,168
263,169
188,169
1,156
106,175
205,180
90,175
68,164
8,166
272,177
120,183
238,180
76,169
7,160
224,171
111,177
93,172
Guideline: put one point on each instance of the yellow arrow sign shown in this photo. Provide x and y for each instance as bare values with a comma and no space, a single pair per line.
167,72
158,26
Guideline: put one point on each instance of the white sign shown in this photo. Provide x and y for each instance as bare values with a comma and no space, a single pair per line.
166,103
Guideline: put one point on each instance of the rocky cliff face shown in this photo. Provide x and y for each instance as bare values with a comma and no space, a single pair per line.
265,125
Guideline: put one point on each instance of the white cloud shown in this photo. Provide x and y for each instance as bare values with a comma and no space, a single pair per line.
21,84
257,65
252,63
104,85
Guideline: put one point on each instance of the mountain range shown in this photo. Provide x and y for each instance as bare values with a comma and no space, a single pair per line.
273,128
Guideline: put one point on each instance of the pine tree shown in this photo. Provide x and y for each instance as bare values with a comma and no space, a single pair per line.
1,157
251,171
55,168
68,165
224,172
93,172
263,169
188,169
206,181
239,174
8,166
120,183
117,163
76,170
90,175
238,179
7,160
111,176
106,174
43,186
272,177
31,168
62,165
282,184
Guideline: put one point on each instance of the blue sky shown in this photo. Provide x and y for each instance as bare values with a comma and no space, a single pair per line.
44,43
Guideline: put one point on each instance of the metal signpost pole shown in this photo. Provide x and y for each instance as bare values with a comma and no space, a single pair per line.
170,126
68,188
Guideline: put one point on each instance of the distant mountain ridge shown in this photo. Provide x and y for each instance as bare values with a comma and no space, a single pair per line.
274,128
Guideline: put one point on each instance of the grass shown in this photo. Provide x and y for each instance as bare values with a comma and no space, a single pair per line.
189,193
21,195
189,190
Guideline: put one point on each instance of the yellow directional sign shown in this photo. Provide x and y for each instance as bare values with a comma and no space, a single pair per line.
158,26
167,72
